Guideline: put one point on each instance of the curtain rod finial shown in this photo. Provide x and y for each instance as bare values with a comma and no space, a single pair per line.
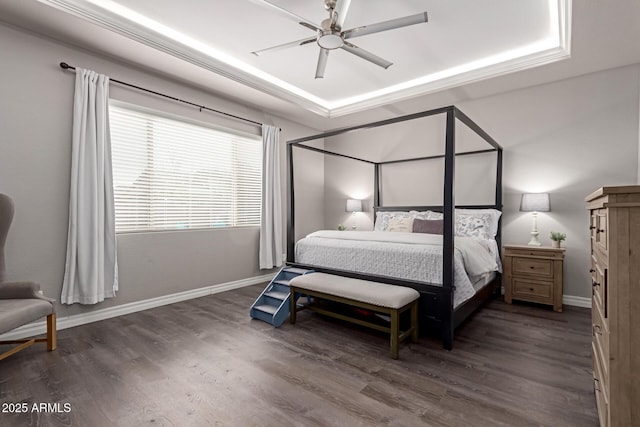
64,65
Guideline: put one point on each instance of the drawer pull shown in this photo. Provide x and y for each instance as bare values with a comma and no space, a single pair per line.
597,329
596,284
531,289
592,271
592,227
596,384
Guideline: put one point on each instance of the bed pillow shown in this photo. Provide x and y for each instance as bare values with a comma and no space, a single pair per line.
404,225
434,215
472,226
491,217
383,218
429,226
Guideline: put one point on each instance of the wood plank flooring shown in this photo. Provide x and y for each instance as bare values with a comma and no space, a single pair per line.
204,362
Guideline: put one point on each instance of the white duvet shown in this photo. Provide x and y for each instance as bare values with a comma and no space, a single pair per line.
411,256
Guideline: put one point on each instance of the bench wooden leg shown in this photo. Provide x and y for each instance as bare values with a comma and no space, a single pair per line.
395,333
292,307
414,321
52,339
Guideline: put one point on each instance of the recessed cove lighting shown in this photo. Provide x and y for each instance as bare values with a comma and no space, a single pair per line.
350,86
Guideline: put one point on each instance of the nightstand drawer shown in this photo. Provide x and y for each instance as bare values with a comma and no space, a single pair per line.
533,252
532,290
537,267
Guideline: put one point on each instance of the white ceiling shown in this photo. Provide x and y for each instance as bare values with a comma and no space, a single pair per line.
209,44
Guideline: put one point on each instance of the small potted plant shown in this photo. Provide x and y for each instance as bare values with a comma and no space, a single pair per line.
341,227
556,238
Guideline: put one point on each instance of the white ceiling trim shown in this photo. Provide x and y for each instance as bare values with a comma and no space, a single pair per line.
153,34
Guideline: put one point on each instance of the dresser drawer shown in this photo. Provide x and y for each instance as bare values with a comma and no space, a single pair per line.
601,240
600,332
599,288
542,268
532,290
602,394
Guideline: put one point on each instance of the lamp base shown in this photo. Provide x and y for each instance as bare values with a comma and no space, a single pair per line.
534,239
534,231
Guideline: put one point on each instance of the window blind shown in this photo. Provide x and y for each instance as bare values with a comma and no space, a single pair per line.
171,175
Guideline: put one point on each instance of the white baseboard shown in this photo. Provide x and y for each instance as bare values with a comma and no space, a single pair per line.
576,301
39,328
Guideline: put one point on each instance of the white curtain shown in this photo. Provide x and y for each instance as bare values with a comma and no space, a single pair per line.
271,218
91,272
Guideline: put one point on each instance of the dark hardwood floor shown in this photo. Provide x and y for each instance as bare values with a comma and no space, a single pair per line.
204,362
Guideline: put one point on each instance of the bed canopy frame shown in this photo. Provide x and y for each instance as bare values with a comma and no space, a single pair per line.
436,301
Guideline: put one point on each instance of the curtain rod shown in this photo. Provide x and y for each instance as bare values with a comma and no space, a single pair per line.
66,66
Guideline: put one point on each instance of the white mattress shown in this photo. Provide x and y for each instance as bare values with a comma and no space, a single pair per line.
410,256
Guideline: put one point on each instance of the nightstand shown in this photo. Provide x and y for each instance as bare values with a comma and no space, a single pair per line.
534,274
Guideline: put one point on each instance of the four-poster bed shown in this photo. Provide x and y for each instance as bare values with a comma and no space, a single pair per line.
437,310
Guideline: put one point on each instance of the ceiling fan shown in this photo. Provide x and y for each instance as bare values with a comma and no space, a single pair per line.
330,35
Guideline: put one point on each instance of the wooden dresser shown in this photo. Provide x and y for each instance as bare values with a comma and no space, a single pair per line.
534,274
615,280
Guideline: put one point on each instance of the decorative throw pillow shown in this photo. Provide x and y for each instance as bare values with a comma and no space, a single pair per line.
401,224
429,226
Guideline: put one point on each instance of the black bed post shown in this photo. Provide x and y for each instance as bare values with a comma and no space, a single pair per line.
290,206
449,229
499,196
376,186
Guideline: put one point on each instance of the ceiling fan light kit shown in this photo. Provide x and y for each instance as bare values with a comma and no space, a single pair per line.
329,35
328,39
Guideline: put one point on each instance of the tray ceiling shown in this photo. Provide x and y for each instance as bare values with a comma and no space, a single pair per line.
464,41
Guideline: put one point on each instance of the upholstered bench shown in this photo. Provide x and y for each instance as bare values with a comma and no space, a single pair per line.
376,297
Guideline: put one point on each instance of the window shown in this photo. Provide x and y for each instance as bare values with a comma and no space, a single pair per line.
170,174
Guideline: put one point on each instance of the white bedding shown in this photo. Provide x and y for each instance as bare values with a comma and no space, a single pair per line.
411,256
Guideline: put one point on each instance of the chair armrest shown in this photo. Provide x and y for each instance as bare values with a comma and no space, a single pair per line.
22,290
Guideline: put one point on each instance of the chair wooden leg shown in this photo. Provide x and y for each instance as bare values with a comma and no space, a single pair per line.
25,344
52,340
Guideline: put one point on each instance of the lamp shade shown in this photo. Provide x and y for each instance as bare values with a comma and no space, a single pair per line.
354,205
535,202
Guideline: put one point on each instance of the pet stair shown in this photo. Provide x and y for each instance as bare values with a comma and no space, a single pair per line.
272,306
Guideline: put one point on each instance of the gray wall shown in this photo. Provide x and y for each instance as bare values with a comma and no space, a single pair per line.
35,152
404,184
566,138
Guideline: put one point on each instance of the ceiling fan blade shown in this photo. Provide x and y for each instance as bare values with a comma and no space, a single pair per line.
386,25
291,15
310,26
285,46
322,63
342,8
366,55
